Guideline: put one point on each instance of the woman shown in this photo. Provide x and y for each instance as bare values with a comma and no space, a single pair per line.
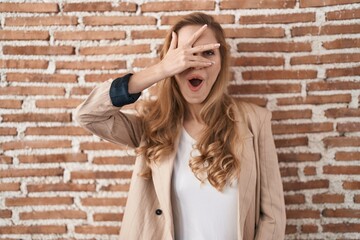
206,164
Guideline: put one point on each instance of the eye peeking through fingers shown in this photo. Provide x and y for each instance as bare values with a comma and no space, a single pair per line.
209,53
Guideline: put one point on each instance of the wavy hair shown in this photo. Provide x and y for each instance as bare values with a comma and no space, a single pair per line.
162,118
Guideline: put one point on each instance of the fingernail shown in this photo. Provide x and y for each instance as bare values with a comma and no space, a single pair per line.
217,45
205,25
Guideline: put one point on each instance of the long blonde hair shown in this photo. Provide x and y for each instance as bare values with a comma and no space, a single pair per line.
162,118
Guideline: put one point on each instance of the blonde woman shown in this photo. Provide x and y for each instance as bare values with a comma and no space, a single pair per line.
206,164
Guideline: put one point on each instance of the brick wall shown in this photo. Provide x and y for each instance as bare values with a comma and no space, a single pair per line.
298,58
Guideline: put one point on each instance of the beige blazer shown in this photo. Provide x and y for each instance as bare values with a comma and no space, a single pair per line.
261,214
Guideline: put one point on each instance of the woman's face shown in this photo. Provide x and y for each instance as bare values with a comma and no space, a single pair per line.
196,83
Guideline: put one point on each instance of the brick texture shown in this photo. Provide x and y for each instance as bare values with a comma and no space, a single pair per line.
300,59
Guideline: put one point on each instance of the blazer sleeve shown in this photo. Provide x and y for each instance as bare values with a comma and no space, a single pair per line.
101,113
272,220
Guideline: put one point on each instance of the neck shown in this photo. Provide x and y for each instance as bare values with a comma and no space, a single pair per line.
192,113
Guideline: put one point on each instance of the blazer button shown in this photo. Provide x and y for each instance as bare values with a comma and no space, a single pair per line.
158,211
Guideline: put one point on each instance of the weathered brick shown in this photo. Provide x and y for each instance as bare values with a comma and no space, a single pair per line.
133,49
41,21
309,228
291,142
101,146
57,131
264,88
146,34
83,65
257,4
325,30
8,131
222,19
343,14
5,159
289,172
102,77
310,171
342,43
37,117
45,78
119,20
258,61
313,184
35,144
60,214
53,158
5,213
33,172
29,7
357,199
90,35
341,141
124,7
328,198
348,127
61,187
81,91
325,59
263,32
342,112
341,213
177,6
299,157
100,174
116,188
10,104
315,99
290,229
323,3
351,185
279,74
144,62
39,50
87,7
114,217
38,201
274,47
256,100
347,170
33,229
278,18
336,85
114,160
347,156
343,227
292,114
23,35
6,187
294,199
103,201
108,230
303,128
299,214
19,63
58,103
340,72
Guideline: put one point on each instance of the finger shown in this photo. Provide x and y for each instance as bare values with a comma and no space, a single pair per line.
196,35
202,48
194,58
196,64
173,42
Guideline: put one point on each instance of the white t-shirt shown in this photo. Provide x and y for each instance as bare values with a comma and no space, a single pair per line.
200,211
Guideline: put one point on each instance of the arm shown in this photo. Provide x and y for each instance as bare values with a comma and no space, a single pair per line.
272,220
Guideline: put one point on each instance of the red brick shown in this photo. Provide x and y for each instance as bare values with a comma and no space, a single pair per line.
7,131
61,187
90,35
351,185
53,158
35,144
342,43
101,175
144,62
327,86
291,142
33,229
343,14
109,50
124,7
258,61
41,21
341,142
93,65
302,128
33,172
315,99
274,47
37,117
279,74
102,77
292,114
309,228
10,104
177,6
314,184
278,18
115,217
256,100
23,35
38,201
222,19
299,214
5,213
5,159
347,156
325,30
41,64
257,4
116,188
39,50
114,160
29,7
144,34
328,198
60,214
6,187
348,127
263,32
44,78
341,213
101,146
57,131
107,230
340,72
290,229
289,172
322,3
299,157
119,20
87,7
294,199
81,91
58,103
310,171
357,199
342,227
264,88
342,112
103,201
325,59
345,170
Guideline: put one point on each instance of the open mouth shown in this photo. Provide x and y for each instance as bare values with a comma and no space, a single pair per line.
195,82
